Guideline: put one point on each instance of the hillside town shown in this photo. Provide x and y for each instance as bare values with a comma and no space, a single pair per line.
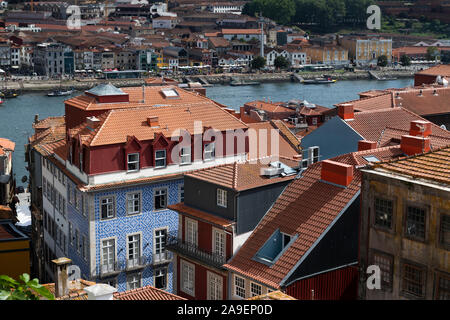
140,185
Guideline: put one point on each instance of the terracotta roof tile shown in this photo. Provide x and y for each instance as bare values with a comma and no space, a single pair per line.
432,166
146,293
440,70
199,214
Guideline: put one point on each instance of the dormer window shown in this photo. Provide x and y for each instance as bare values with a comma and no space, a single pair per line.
133,162
274,247
160,158
209,152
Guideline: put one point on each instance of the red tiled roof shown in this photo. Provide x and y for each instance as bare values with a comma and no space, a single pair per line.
241,176
199,214
393,136
306,207
381,101
440,70
241,31
7,144
146,293
370,124
431,166
269,107
434,100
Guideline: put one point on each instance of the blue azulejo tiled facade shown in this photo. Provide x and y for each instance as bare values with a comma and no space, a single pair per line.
143,224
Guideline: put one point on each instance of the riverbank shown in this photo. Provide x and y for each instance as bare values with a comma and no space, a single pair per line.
77,84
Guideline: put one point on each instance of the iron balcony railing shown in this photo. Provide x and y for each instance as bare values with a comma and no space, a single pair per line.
193,251
108,269
162,257
135,263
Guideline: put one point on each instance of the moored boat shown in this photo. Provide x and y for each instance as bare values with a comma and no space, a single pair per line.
59,93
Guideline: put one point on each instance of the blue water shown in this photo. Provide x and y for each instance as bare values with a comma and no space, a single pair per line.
17,115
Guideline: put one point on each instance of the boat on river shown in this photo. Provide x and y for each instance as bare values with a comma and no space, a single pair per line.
59,93
322,80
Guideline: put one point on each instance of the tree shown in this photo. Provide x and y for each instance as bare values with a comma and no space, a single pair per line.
405,60
432,53
258,62
281,62
22,289
382,61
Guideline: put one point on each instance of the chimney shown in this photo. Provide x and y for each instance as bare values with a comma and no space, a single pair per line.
412,145
100,291
337,172
92,122
420,128
61,277
153,121
366,145
36,118
345,111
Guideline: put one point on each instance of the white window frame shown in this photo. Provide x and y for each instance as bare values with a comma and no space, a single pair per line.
235,292
185,152
114,253
191,236
221,197
112,203
217,248
134,275
162,250
70,233
210,150
184,264
135,259
133,162
157,190
161,158
165,275
133,200
255,285
212,292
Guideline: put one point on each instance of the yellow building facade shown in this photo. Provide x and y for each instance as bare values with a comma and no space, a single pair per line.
334,55
365,51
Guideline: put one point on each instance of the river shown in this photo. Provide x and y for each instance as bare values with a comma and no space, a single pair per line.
17,115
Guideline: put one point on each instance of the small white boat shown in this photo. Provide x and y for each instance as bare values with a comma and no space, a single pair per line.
59,93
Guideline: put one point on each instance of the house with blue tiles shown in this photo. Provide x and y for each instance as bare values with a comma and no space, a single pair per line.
107,185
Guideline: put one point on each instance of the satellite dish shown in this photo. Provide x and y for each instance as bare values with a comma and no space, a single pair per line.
444,127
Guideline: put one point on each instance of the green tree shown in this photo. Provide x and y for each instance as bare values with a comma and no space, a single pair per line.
281,62
382,61
22,289
432,53
258,62
405,60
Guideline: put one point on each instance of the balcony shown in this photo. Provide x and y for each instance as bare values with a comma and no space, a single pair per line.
109,269
162,257
136,263
193,251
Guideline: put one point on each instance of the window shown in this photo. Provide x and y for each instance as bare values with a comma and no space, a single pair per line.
314,155
160,158
445,231
209,152
187,277
133,281
181,193
239,287
44,187
215,287
286,239
133,161
70,234
160,199
133,203
191,231
222,198
107,208
383,213
160,244
442,287
185,154
85,247
255,289
274,247
219,242
160,280
413,278
385,262
134,250
108,255
415,222
77,240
